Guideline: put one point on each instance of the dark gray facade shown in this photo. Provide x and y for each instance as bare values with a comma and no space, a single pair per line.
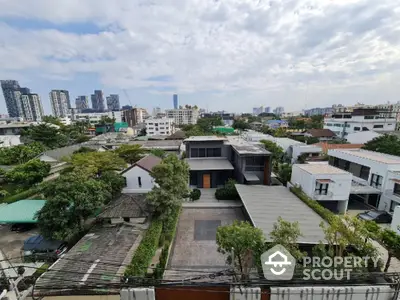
244,165
9,87
98,101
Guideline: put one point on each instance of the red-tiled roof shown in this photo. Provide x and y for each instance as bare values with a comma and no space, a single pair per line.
321,133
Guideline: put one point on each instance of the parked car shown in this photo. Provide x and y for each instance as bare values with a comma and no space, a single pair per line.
22,227
379,216
37,248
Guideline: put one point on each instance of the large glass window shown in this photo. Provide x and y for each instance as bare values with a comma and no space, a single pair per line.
202,152
376,181
396,189
205,152
364,172
321,188
194,152
378,126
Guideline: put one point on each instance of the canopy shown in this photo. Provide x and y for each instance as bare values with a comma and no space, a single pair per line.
23,211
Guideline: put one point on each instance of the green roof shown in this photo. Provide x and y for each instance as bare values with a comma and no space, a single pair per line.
22,211
224,129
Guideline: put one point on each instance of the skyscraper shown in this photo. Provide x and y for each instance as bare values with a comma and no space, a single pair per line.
20,102
98,101
113,102
9,88
175,99
59,100
267,109
81,103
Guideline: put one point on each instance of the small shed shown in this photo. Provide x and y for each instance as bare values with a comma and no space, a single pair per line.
23,211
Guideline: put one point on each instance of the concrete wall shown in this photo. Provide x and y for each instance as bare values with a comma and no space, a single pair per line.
132,184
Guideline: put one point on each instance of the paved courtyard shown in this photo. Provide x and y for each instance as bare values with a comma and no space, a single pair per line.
195,247
207,199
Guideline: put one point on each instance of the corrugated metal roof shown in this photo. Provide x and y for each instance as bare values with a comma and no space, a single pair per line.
265,204
23,211
200,164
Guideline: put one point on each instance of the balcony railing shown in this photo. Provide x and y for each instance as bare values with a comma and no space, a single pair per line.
392,195
321,197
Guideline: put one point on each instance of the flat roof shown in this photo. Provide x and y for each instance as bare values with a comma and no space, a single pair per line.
99,258
206,138
320,169
265,204
23,211
204,164
371,155
243,147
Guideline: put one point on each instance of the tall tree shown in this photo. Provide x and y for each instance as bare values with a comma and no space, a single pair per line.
244,242
389,144
95,163
114,181
285,173
29,173
240,124
207,124
20,154
47,134
52,120
130,153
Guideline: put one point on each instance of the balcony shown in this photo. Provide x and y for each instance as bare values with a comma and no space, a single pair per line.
392,195
323,197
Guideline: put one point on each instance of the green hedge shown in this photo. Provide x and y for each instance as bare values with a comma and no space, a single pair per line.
195,194
20,196
314,205
146,250
228,192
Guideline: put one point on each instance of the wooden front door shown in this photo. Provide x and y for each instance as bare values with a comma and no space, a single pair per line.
206,181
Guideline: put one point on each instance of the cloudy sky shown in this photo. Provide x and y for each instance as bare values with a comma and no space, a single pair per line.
219,54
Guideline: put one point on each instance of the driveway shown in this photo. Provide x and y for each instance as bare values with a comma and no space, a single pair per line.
195,246
356,207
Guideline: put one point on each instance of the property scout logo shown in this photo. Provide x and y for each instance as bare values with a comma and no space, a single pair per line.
279,264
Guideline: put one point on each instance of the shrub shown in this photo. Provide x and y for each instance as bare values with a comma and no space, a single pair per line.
228,192
21,196
195,195
145,252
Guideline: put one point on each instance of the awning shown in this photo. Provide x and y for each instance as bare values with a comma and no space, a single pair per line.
395,180
324,180
251,177
363,189
209,164
23,211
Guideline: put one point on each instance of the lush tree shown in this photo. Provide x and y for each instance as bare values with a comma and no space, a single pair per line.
72,199
280,132
285,173
195,131
47,134
52,120
267,130
95,163
240,124
171,176
317,122
391,241
114,181
106,120
20,154
130,153
287,234
276,150
242,240
29,173
207,124
158,152
389,144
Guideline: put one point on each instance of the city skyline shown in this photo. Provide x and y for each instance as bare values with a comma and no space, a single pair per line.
225,54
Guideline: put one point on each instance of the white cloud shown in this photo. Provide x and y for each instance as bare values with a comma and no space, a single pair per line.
210,45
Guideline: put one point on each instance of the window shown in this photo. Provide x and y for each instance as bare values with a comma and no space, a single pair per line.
202,152
139,179
364,172
396,189
194,152
393,205
378,126
368,117
357,128
376,181
321,188
328,124
337,125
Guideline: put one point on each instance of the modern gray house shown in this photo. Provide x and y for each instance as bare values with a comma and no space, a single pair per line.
213,160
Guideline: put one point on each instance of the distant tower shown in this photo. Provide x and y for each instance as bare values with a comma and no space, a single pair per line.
175,97
98,101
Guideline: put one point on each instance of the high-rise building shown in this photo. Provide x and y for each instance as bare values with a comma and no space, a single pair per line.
258,110
98,101
183,116
20,102
81,103
32,107
59,100
10,87
279,110
267,110
113,102
156,111
175,99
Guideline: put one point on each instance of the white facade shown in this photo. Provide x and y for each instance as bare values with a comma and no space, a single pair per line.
344,126
183,116
95,118
377,170
162,126
138,180
9,141
362,137
323,183
59,103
